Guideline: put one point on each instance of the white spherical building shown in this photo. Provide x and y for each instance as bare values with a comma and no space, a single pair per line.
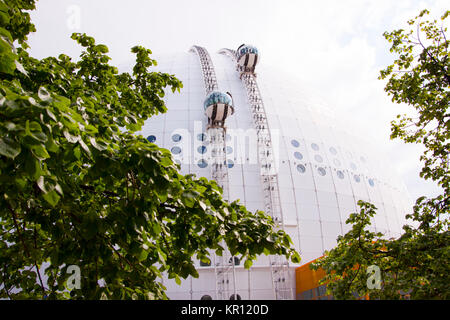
282,152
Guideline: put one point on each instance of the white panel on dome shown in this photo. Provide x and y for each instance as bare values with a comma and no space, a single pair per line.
346,212
253,205
342,182
251,179
293,234
326,198
308,211
308,256
259,279
311,244
305,196
237,192
289,213
208,277
322,178
262,260
303,176
329,243
320,200
173,287
309,227
235,175
286,195
195,114
330,213
285,180
181,115
331,229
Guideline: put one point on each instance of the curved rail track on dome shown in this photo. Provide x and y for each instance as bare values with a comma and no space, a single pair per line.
224,264
209,75
269,176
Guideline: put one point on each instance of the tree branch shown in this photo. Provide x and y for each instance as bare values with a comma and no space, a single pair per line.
446,76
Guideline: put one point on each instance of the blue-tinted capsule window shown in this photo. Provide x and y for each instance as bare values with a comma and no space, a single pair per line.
371,182
353,166
230,163
229,149
201,149
176,150
151,138
298,155
315,146
357,178
295,143
202,163
340,174
176,137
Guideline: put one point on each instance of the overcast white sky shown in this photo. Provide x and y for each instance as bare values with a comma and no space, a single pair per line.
337,46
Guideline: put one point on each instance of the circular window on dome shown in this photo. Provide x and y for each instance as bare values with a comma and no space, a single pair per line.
201,137
229,149
230,163
352,165
333,151
228,137
321,171
340,174
371,182
151,138
301,168
176,150
337,163
201,149
318,158
176,137
357,178
202,163
298,155
315,146
295,143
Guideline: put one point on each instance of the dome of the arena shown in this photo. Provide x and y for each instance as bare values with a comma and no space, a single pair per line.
284,153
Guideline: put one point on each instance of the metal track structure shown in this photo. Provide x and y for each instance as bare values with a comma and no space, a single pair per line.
279,265
224,265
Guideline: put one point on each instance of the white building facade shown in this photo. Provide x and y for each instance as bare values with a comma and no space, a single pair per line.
321,169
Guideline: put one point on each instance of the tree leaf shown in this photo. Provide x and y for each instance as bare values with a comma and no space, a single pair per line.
51,197
9,148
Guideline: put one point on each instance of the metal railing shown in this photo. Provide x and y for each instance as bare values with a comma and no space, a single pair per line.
268,172
223,265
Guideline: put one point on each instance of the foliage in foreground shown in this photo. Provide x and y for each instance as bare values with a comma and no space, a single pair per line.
78,187
417,262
